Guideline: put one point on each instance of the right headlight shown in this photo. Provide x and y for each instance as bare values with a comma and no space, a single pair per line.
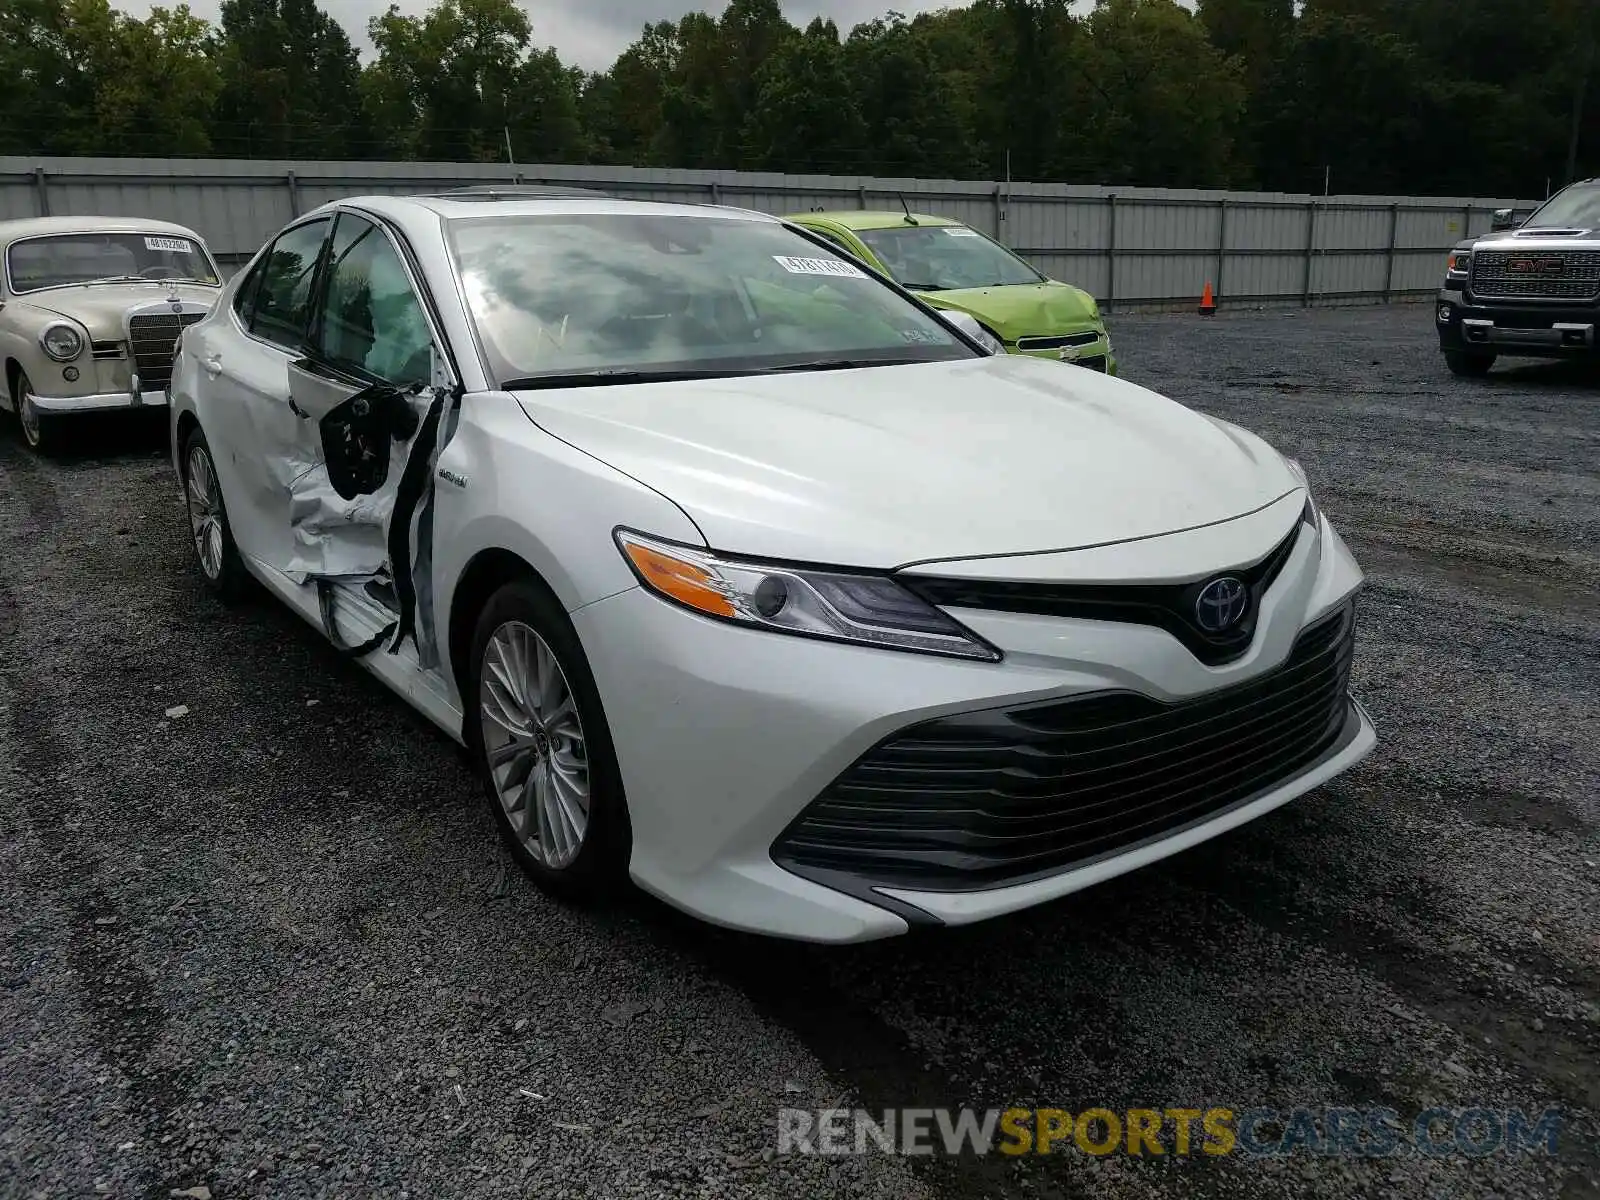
869,610
61,342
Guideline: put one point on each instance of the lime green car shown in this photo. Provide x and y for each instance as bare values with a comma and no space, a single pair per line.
953,266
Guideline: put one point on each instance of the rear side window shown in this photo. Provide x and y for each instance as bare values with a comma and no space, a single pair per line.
281,305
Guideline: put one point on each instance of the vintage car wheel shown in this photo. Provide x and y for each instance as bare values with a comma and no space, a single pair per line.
210,533
38,430
541,743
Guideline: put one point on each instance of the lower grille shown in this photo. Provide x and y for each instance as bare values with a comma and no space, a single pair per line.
1094,362
990,798
152,338
1536,274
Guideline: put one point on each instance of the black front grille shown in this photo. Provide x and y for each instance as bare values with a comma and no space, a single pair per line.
1166,606
1060,341
1094,362
998,797
1536,274
152,338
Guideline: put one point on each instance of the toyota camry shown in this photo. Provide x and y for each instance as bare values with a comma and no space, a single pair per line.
748,577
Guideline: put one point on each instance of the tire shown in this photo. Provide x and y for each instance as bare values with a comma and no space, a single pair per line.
1465,363
558,758
211,533
39,432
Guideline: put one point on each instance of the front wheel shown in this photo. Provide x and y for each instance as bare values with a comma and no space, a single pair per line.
38,430
538,733
1462,362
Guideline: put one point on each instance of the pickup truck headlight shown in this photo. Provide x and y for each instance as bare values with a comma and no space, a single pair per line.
61,342
1458,264
869,610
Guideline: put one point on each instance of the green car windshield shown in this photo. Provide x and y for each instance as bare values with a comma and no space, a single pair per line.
945,258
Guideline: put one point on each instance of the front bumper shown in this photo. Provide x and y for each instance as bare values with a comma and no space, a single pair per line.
1542,331
726,735
97,402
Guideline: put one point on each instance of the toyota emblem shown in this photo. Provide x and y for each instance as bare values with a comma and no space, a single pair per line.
1221,604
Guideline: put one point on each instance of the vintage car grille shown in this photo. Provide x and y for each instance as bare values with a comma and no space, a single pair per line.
1536,274
990,798
105,349
1095,362
1057,341
151,340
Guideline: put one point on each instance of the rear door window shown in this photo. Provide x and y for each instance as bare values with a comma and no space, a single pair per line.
281,308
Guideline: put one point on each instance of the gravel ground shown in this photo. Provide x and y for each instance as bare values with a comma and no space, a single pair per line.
266,944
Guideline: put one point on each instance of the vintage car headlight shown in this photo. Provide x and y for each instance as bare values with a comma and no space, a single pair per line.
870,610
61,342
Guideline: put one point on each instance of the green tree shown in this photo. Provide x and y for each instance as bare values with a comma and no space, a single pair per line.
290,83
805,118
1165,106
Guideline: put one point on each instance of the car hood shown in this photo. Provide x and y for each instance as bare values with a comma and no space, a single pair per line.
99,306
1021,309
881,467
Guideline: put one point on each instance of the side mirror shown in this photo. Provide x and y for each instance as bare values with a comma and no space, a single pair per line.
968,324
1503,218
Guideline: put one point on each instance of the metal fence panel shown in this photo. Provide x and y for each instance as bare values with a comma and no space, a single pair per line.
1128,246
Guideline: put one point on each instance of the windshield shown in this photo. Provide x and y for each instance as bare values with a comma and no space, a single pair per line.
1577,207
945,258
652,294
59,260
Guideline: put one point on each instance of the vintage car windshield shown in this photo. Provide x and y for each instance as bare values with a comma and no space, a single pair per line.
945,258
631,295
1578,207
60,260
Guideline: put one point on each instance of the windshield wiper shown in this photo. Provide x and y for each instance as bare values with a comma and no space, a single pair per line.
609,375
840,364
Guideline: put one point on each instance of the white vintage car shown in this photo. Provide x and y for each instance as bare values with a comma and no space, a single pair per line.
90,311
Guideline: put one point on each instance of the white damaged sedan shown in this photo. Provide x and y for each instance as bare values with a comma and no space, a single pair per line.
745,575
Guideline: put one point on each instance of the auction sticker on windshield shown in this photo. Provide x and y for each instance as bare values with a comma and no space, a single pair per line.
957,231
818,266
179,245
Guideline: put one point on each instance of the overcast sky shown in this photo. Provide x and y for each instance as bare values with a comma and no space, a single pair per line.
591,33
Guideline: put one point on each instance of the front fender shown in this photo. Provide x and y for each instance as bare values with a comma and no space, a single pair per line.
502,484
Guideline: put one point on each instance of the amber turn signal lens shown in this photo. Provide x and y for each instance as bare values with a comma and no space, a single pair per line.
686,582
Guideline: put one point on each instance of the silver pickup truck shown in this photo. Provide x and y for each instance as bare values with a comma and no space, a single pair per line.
1528,289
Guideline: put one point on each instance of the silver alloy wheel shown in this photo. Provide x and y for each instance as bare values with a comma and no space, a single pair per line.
205,512
534,744
28,414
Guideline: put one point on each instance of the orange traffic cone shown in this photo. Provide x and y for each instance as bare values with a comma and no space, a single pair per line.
1208,303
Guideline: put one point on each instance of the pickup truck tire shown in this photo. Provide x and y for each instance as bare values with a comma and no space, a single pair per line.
1461,362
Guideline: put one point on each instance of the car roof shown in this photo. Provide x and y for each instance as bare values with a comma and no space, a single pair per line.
867,218
37,226
462,204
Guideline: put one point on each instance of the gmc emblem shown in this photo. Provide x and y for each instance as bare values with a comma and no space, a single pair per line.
1536,266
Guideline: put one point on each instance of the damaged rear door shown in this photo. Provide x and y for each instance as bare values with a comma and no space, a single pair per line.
370,394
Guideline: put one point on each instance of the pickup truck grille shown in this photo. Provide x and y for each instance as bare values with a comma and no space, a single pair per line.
152,338
1536,275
